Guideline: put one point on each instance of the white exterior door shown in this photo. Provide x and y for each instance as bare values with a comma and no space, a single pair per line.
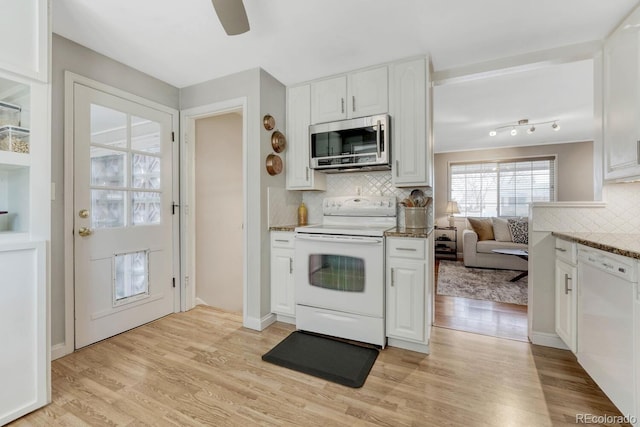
123,222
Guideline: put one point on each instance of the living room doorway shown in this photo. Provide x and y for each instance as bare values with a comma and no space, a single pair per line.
481,316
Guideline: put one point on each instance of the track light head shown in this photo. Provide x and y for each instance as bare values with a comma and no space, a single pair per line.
531,130
514,131
555,126
493,133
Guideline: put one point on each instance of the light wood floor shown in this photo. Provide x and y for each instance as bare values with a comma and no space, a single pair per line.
481,317
203,368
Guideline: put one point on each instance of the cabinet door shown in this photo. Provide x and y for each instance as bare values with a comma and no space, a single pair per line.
566,303
368,93
299,175
405,311
282,284
409,124
621,104
24,38
329,100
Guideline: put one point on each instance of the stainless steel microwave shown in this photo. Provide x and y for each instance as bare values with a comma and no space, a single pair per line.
349,145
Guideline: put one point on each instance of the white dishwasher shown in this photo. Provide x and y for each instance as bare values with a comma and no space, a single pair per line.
607,290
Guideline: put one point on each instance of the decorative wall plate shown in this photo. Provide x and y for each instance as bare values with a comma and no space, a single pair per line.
269,122
278,141
273,164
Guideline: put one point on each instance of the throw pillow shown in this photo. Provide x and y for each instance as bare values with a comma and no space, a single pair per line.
519,228
483,227
501,230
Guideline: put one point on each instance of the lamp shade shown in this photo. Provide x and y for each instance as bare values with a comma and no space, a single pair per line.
452,207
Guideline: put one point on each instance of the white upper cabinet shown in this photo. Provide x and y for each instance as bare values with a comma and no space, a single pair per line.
24,38
410,124
622,101
368,93
298,174
329,100
358,94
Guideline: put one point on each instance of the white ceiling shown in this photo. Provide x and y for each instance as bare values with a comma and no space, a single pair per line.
183,43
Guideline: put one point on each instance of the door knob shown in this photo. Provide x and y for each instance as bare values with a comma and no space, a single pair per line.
85,231
84,213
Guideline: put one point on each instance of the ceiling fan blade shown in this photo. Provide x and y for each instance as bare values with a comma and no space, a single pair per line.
232,16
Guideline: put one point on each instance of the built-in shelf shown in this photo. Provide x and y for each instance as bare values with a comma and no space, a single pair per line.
10,160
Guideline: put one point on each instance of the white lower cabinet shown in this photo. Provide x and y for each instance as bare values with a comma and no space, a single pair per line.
566,303
407,294
282,283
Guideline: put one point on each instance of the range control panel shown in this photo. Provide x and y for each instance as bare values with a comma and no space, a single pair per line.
360,206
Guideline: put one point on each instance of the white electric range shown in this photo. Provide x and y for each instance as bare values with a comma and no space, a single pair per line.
339,271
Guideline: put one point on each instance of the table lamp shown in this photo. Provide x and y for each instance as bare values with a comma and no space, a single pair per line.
452,208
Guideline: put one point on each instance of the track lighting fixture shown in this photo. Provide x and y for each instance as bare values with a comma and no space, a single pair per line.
531,127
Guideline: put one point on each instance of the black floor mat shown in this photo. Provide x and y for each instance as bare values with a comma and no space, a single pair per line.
323,357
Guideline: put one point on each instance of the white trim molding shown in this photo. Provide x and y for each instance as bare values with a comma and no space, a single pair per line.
547,340
259,324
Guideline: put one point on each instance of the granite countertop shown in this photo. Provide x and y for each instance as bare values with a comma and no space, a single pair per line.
418,233
617,243
282,228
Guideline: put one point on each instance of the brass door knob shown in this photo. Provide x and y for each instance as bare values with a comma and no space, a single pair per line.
84,213
85,231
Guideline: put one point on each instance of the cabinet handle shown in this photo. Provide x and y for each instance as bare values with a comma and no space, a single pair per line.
397,168
282,241
638,153
342,102
353,104
561,249
378,130
290,265
406,249
307,173
566,284
393,279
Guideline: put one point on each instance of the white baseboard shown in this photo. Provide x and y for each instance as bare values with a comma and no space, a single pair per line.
286,319
259,324
548,340
200,301
408,345
60,350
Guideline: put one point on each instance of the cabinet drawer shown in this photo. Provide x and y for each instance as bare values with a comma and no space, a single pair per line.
406,248
566,251
282,239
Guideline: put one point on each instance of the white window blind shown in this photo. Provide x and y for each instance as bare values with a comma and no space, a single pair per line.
502,188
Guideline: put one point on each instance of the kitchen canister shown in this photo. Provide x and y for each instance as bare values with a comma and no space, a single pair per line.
415,217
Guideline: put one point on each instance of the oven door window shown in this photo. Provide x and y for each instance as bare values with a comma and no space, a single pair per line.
338,272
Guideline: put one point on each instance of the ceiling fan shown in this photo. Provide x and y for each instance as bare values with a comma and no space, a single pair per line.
232,16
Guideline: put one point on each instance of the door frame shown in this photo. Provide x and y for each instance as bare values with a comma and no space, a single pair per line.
70,79
188,119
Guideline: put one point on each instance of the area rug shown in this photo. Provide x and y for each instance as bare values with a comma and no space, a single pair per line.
456,280
325,358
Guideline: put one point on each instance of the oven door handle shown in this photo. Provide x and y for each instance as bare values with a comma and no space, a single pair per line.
357,240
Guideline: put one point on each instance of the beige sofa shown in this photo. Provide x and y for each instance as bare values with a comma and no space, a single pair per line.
486,234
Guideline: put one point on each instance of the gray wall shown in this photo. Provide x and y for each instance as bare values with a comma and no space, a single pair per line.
67,55
574,166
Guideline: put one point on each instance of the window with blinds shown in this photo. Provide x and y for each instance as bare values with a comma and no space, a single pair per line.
502,188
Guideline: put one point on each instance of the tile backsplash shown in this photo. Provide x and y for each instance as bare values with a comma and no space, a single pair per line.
620,213
283,206
349,184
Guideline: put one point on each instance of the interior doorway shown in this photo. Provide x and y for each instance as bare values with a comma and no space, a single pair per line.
219,207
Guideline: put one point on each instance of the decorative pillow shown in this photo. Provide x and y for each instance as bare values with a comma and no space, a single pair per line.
501,230
483,227
519,230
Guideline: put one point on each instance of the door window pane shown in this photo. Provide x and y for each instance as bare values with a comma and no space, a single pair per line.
146,172
107,208
145,207
342,273
145,135
108,127
130,277
108,168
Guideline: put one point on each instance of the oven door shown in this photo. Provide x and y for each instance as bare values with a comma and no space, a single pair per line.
342,273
